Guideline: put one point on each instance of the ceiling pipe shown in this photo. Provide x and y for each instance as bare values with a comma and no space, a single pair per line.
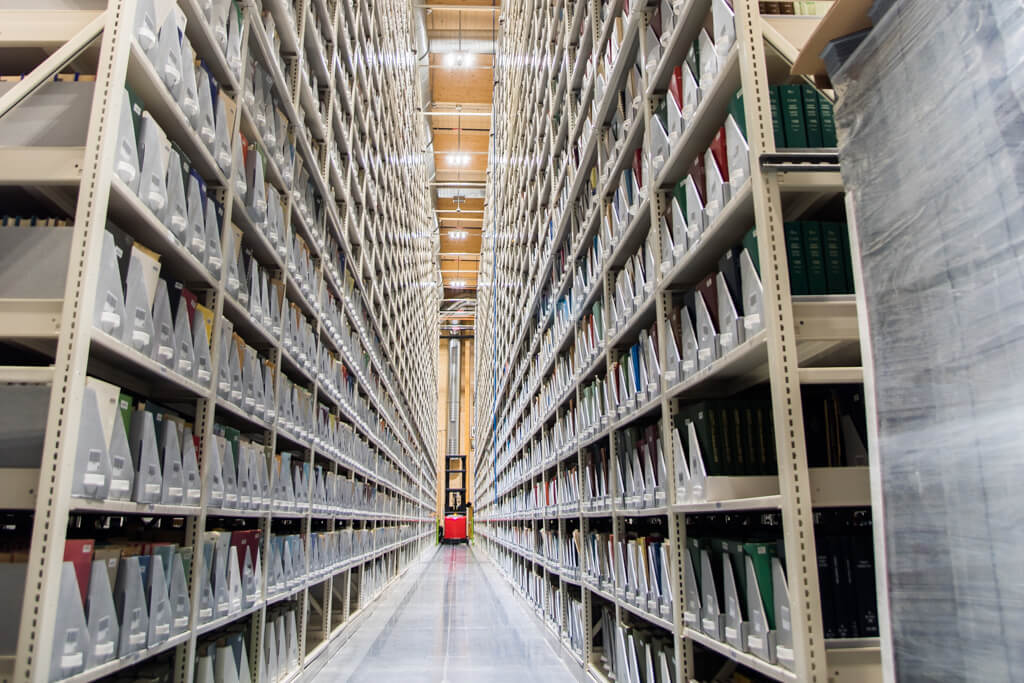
461,8
476,45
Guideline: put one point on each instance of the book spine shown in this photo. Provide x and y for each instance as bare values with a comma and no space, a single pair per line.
844,236
813,255
750,244
864,582
791,101
827,122
835,266
826,586
812,117
795,256
740,461
774,98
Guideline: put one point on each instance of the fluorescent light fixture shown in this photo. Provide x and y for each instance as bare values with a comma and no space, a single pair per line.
458,60
458,234
458,159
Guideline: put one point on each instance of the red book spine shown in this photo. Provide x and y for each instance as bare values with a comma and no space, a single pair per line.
675,86
79,553
718,151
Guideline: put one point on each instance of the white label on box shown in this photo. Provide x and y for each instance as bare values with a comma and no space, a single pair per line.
152,488
67,661
176,491
783,653
193,493
136,638
730,633
119,485
163,629
104,649
180,622
205,613
93,479
755,642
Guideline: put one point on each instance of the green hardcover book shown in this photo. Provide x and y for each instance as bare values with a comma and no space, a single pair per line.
233,437
750,244
844,235
705,423
740,444
137,107
679,192
125,405
737,111
754,444
828,122
812,118
814,256
779,132
792,102
761,555
795,256
735,552
693,59
693,547
727,456
835,262
765,436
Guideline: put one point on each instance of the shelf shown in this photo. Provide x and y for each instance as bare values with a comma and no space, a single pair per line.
160,381
205,45
157,100
131,215
759,665
127,507
112,667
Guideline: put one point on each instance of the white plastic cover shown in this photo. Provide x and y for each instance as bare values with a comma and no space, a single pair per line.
931,128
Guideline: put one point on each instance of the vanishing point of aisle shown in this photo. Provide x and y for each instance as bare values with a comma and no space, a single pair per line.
455,620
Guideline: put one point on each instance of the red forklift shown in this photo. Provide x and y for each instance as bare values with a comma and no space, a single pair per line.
456,508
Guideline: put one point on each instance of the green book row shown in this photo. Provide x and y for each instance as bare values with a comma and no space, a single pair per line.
735,436
801,117
845,557
818,253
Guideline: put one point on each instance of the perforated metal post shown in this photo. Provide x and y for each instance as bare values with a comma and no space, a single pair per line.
797,515
49,527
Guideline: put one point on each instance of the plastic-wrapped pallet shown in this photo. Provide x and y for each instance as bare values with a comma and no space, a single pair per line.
931,127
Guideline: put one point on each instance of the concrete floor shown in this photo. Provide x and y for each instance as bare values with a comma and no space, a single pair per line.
454,618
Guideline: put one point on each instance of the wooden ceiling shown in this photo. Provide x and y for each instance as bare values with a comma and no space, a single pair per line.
459,115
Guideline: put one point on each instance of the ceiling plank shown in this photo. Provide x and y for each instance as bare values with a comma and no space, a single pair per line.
462,87
470,204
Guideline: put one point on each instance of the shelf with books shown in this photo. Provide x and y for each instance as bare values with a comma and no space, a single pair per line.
825,341
152,379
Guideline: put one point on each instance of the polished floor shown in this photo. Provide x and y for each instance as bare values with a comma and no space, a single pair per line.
453,618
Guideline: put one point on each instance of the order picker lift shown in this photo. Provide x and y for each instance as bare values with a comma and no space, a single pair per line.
455,505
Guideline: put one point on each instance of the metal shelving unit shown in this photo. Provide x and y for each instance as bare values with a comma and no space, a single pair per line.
353,258
561,68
